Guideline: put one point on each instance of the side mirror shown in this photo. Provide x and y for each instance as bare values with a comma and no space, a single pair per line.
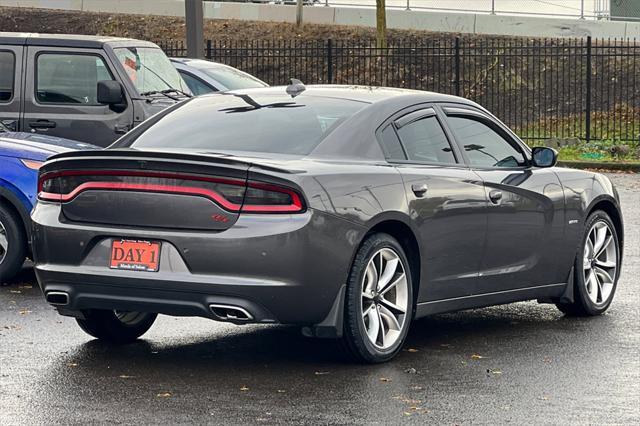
110,92
544,157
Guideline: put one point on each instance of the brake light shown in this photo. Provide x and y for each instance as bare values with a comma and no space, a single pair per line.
231,194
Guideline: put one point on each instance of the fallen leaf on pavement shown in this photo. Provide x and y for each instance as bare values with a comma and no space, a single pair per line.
164,395
244,388
281,391
412,350
24,311
72,364
124,376
490,371
384,379
411,370
476,356
321,373
15,291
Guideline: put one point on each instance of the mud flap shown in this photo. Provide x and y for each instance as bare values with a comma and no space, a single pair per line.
567,296
331,326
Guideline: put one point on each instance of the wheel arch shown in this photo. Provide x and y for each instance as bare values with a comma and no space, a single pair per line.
406,236
610,207
13,202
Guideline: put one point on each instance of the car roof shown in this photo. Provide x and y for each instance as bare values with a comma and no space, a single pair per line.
369,94
68,40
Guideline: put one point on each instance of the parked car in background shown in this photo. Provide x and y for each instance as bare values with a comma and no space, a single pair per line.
87,88
204,77
347,210
21,155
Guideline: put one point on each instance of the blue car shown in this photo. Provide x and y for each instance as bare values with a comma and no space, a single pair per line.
21,155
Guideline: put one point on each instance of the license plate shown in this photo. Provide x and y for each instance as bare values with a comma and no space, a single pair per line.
135,255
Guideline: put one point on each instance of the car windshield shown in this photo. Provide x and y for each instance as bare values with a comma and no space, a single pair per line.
232,78
149,69
267,124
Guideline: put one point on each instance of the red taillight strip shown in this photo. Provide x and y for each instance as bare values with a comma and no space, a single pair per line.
295,206
122,186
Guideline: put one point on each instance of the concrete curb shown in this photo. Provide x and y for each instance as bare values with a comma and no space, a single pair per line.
628,167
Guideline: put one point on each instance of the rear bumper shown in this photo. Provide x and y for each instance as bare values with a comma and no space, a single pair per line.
279,268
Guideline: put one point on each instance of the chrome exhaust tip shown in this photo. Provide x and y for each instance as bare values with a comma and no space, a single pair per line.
57,298
230,313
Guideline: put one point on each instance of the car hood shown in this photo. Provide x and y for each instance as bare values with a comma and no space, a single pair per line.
37,147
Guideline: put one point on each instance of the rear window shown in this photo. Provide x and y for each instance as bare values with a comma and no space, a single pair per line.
272,124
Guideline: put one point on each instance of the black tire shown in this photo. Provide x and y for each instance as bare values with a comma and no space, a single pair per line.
582,304
12,229
107,325
355,338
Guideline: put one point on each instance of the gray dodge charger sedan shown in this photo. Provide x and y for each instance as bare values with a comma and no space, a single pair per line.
347,210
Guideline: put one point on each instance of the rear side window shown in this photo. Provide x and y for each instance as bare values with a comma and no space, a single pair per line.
425,141
69,79
196,86
391,144
264,123
484,146
7,71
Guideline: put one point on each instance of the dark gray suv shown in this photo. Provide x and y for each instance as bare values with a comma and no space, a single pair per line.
86,88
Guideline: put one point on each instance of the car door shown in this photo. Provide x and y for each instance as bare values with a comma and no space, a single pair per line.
446,200
61,96
526,204
10,85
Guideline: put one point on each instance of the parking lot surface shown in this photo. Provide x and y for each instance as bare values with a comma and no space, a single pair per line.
517,363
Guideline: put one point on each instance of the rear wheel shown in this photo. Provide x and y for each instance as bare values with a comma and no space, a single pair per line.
13,243
116,326
379,300
596,268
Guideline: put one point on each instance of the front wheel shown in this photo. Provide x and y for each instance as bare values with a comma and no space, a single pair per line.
379,300
596,268
116,326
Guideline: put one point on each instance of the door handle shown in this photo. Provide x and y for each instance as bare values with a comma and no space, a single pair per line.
495,196
42,124
419,189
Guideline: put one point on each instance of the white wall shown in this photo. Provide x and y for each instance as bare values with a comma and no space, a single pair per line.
398,19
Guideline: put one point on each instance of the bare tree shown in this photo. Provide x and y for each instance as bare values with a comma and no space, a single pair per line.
381,24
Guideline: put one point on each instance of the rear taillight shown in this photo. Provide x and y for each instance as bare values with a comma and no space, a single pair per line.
231,194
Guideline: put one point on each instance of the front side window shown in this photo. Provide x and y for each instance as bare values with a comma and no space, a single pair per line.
484,146
149,69
7,71
425,141
196,86
69,79
242,123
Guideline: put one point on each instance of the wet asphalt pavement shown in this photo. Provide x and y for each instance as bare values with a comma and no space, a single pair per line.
516,363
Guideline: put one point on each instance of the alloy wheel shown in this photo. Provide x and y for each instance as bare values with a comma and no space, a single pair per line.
600,262
385,298
4,243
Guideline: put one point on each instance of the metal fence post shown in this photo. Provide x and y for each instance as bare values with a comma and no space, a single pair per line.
493,7
587,120
457,66
329,61
581,9
408,5
209,50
